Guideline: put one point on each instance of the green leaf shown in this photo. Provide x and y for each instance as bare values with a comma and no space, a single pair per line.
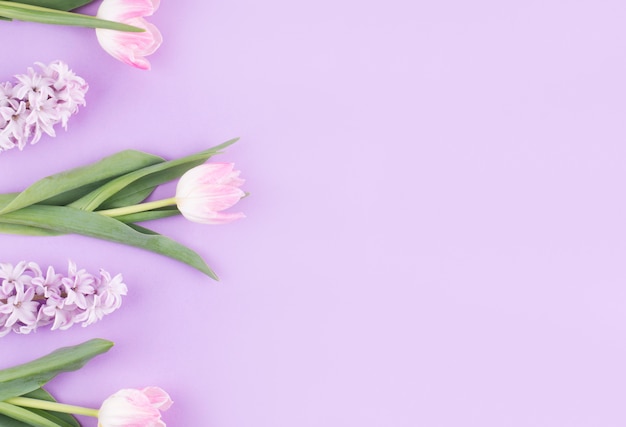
25,416
143,230
25,230
65,187
69,220
160,173
148,215
71,195
6,198
6,421
63,419
11,422
53,417
55,4
128,198
44,15
30,376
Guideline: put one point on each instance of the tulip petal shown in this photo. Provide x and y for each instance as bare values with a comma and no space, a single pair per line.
122,10
206,190
158,397
208,173
131,48
131,407
224,218
215,218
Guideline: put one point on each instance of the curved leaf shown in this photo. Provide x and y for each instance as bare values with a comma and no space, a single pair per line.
147,215
69,220
65,187
30,376
44,15
55,4
128,198
11,422
26,416
26,230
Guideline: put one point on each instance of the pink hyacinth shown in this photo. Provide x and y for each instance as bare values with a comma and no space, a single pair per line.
37,102
129,47
31,299
206,190
131,407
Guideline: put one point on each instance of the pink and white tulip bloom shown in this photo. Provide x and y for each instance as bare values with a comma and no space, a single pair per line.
130,48
134,408
206,190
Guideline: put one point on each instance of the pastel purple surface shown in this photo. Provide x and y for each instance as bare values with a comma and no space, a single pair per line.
435,234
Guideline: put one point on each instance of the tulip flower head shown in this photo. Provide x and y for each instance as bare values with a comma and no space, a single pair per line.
206,190
131,407
130,48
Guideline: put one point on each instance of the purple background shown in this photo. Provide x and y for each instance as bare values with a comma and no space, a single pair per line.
435,235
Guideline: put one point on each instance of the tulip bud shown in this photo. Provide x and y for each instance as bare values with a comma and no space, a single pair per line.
131,407
129,47
206,190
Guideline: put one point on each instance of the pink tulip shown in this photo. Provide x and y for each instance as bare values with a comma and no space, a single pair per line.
134,408
130,48
206,190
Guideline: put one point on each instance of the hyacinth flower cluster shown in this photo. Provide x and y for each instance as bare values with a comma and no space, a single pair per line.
31,298
24,401
121,28
37,102
108,199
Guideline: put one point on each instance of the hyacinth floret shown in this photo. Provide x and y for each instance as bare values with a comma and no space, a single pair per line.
30,298
37,102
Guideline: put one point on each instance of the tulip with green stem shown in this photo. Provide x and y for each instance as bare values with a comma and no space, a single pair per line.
202,194
121,27
23,401
73,202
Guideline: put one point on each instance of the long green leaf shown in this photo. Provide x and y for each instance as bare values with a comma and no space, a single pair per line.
71,195
65,420
30,376
148,215
55,4
69,220
65,187
26,416
142,230
7,198
25,230
11,422
53,417
65,5
44,15
128,198
162,170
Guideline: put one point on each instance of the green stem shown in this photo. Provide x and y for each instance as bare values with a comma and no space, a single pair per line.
27,402
141,207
